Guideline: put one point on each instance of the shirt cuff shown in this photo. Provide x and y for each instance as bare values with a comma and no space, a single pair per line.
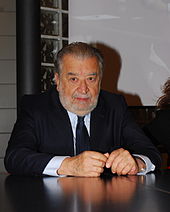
53,165
149,165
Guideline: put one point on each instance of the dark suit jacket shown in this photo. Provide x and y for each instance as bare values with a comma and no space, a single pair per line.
159,129
43,130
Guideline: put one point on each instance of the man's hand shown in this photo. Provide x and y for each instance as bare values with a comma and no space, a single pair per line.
86,164
122,162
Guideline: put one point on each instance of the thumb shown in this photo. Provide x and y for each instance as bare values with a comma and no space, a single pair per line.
106,154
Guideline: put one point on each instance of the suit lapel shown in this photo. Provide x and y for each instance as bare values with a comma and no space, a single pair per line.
63,121
97,126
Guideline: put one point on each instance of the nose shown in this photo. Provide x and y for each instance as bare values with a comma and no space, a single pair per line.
83,88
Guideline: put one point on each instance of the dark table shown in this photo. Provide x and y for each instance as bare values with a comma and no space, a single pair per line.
108,193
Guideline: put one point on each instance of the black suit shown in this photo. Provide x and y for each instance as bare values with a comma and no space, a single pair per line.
159,129
43,130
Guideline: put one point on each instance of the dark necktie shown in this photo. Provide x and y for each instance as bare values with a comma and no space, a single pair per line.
82,137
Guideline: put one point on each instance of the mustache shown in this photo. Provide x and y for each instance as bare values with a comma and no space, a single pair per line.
83,96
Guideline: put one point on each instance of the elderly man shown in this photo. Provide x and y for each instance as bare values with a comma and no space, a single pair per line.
77,129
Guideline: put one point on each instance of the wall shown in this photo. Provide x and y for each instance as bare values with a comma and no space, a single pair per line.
137,31
7,73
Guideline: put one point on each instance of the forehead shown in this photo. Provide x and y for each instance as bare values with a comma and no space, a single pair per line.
76,62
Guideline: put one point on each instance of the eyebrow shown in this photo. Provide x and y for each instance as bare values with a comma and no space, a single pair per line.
74,74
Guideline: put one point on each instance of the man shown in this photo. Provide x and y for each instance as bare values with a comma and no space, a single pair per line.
45,139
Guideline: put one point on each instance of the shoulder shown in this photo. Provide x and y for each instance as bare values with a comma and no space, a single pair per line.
163,114
163,111
39,101
109,95
111,98
111,102
161,120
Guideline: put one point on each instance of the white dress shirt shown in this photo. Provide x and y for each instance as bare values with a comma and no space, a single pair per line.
55,162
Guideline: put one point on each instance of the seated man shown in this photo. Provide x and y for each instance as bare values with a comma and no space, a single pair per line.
77,129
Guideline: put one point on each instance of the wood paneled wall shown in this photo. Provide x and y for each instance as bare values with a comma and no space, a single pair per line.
7,73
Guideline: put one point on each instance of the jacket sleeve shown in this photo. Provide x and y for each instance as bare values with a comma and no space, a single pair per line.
22,156
135,140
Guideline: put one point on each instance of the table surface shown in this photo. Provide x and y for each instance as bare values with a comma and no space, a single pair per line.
74,194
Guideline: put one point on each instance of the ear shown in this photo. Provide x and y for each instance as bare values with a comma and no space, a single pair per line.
57,80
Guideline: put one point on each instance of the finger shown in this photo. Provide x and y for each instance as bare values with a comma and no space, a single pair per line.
114,164
99,156
98,169
117,166
112,157
133,171
94,169
123,160
129,168
107,155
98,163
93,174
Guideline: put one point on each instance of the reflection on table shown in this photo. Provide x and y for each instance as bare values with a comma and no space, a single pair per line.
116,193
94,190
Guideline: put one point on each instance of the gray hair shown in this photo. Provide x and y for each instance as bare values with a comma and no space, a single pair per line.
79,50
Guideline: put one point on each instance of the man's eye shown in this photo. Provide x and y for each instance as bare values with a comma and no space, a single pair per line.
91,78
73,79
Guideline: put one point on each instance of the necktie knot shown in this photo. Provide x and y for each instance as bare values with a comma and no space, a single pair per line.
80,120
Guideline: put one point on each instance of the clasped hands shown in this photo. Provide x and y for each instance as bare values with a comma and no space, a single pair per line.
91,164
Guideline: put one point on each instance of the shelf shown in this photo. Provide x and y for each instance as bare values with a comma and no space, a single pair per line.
54,35
53,9
47,65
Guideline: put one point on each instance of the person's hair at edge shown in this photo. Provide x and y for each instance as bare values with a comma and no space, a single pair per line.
164,101
80,50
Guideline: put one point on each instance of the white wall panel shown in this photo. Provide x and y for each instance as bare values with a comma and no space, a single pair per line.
4,138
7,119
139,30
7,5
7,48
2,168
7,71
7,96
7,23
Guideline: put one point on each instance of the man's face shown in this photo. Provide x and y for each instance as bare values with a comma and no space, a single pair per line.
79,84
